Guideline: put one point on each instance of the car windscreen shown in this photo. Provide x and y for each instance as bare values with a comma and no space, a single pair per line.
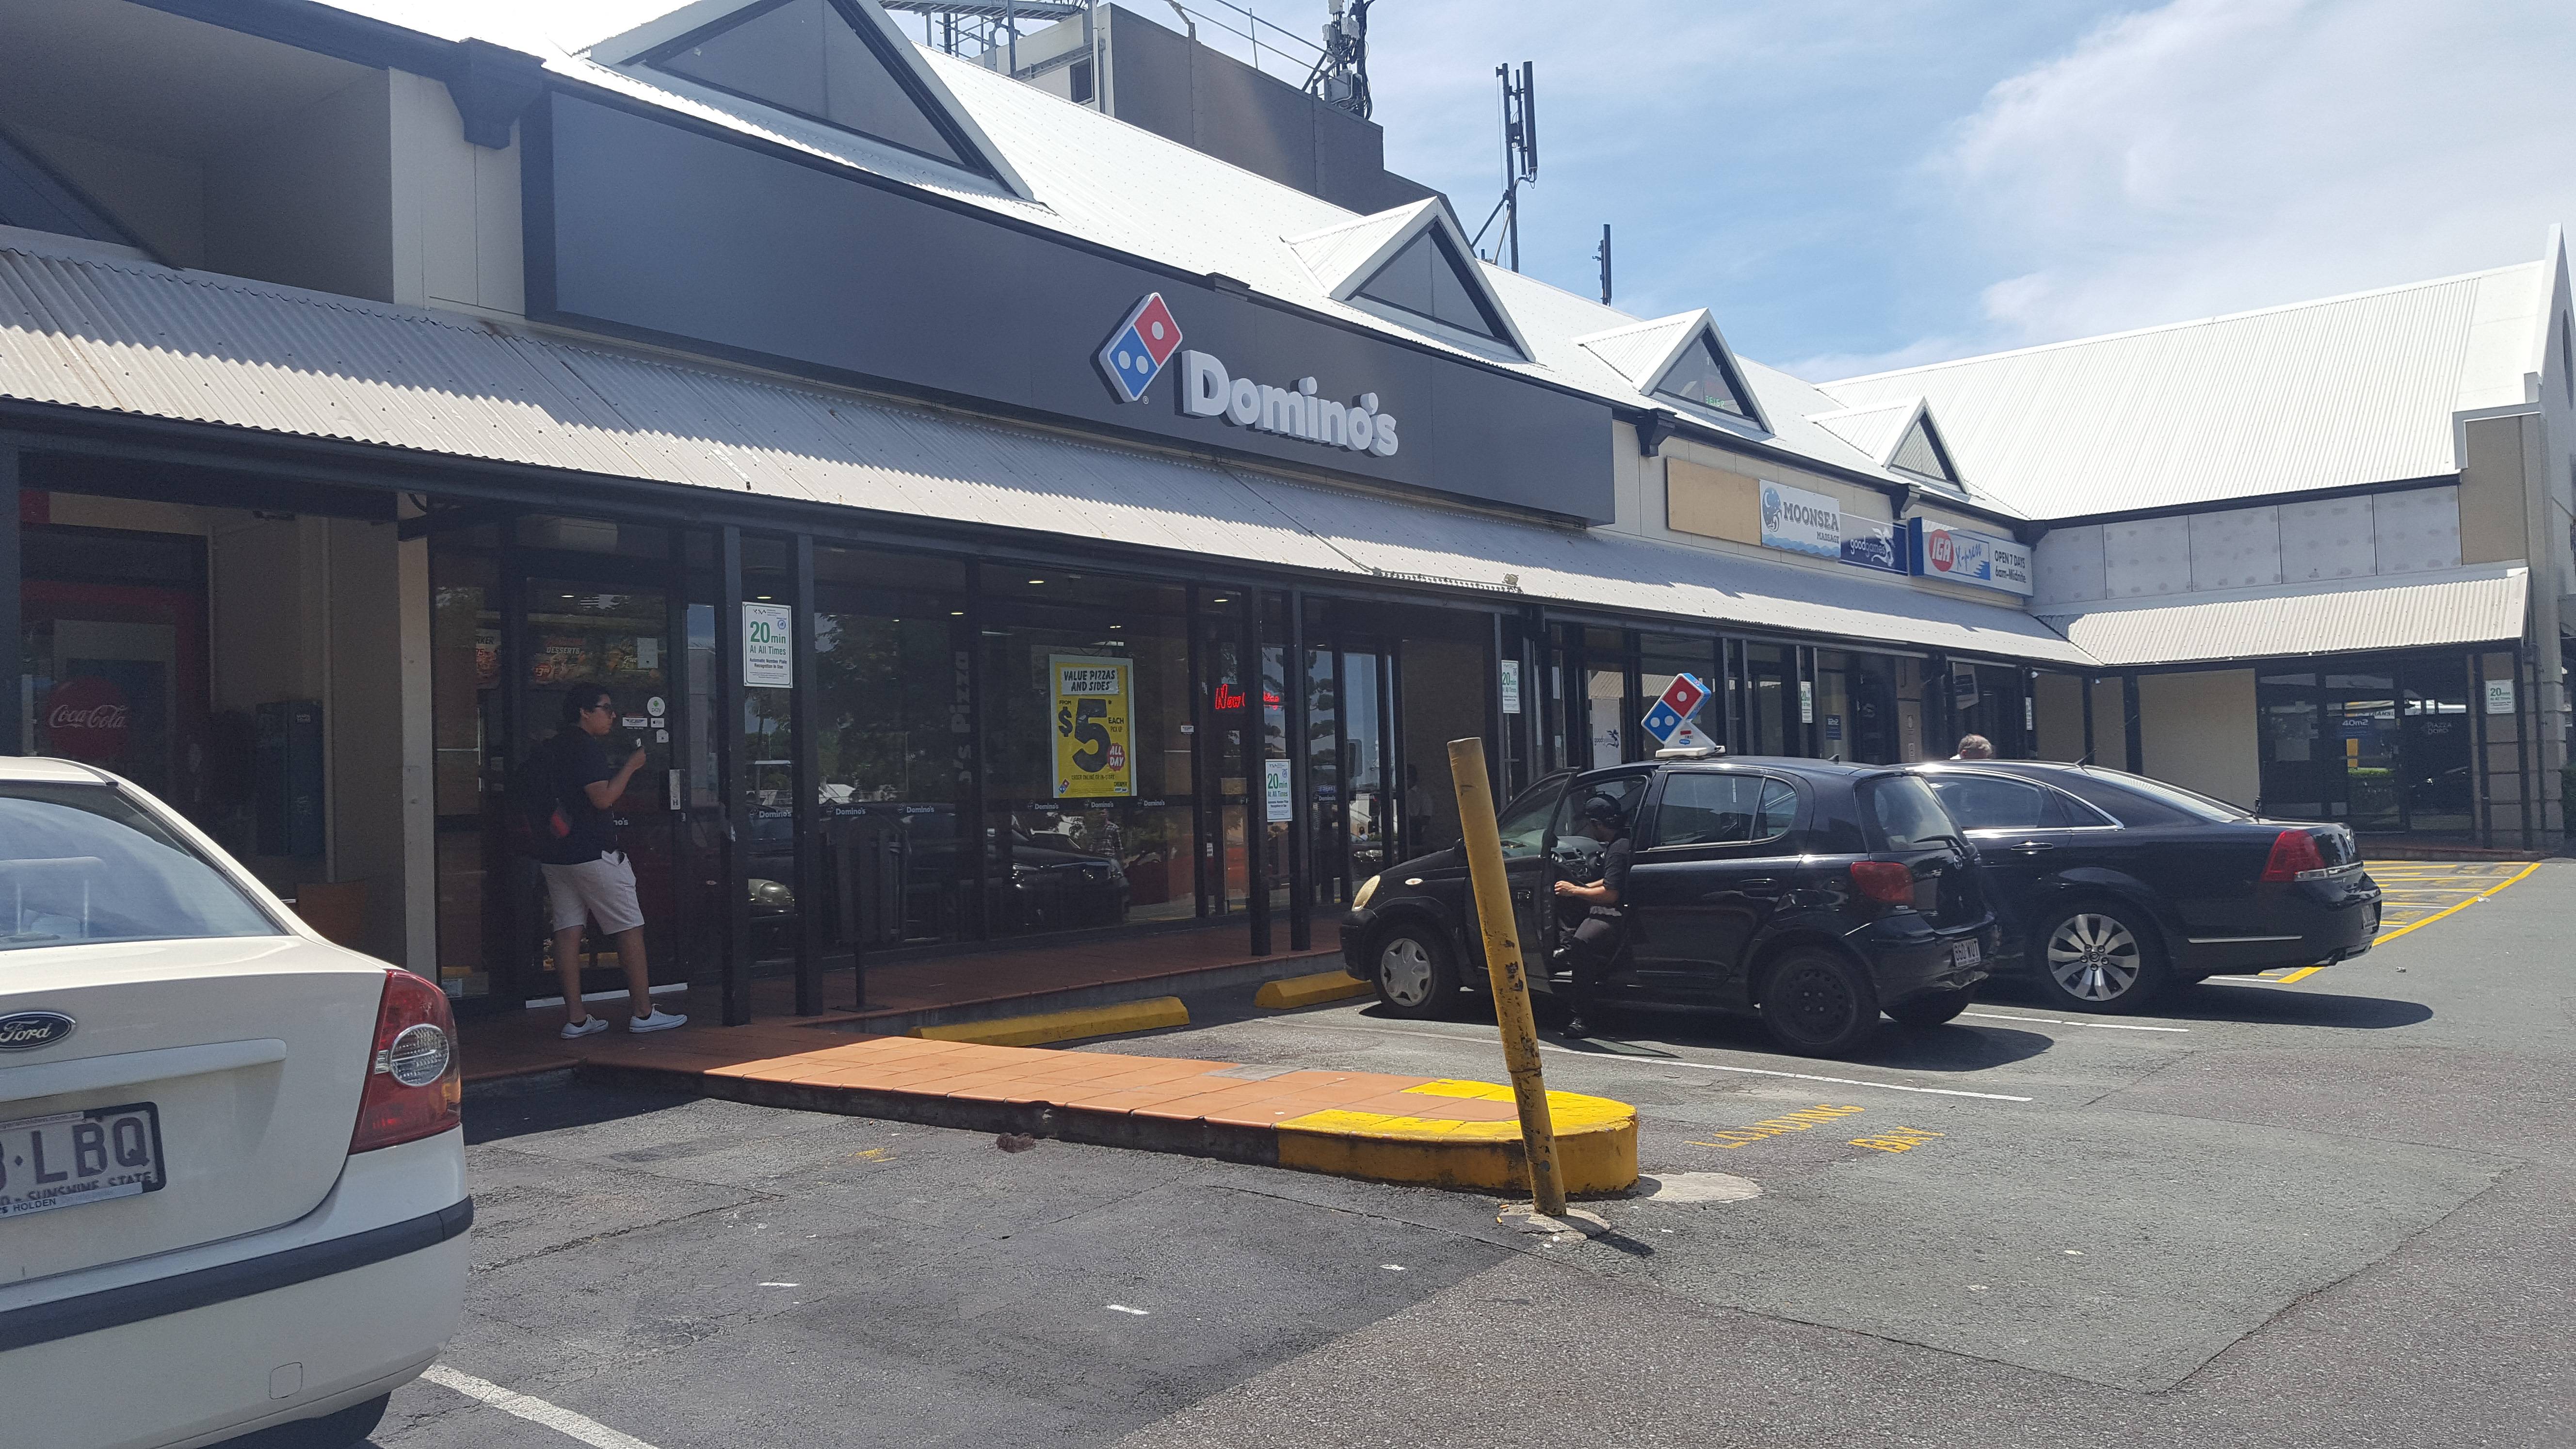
1523,825
1903,815
85,863
2138,800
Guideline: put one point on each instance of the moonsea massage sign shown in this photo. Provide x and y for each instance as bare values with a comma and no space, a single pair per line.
1095,757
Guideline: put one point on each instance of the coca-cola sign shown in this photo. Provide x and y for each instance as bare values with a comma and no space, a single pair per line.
87,719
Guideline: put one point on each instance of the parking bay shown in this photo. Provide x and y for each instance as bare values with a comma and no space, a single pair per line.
2017,1186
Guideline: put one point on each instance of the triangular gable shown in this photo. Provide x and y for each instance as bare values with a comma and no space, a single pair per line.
837,64
1411,264
1682,358
1898,435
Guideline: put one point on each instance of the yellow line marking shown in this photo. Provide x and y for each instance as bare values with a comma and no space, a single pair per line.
1056,1026
2385,937
2301,974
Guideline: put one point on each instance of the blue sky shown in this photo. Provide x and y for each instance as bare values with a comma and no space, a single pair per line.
1859,184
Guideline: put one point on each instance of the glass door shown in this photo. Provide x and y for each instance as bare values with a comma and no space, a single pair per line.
2361,719
2434,735
616,636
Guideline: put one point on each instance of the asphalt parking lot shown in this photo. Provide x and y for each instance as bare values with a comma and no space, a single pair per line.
2322,1211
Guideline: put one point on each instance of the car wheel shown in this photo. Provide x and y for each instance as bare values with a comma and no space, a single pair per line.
1416,974
1817,1003
1934,1008
2100,957
343,1430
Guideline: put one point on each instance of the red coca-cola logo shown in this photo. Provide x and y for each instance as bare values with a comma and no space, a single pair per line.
87,719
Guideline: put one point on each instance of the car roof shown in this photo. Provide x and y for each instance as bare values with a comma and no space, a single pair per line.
39,769
1794,764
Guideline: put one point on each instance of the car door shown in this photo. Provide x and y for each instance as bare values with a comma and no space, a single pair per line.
1567,854
2029,838
1523,827
1707,877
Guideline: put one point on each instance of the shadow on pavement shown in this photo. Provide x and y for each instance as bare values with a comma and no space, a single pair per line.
1641,1031
494,1119
2206,1001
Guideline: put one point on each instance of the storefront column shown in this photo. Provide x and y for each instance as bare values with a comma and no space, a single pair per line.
2481,798
2089,747
1296,677
13,739
1810,729
1256,789
1632,708
807,773
734,771
2132,725
419,857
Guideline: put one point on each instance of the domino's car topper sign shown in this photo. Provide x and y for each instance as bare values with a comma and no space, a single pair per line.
1670,716
1139,348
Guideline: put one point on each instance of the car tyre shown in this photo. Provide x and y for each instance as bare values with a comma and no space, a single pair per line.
1933,1008
342,1430
1415,972
1817,1003
2100,956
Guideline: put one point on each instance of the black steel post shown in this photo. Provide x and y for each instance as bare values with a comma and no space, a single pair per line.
1498,751
2133,724
1632,707
2089,746
1207,793
13,740
808,781
966,649
2481,803
732,769
1296,678
1256,791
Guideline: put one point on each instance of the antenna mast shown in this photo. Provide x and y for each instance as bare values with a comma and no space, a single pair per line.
1520,159
1340,77
1604,255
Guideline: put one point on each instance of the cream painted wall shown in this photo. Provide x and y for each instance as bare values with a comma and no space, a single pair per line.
2199,731
456,235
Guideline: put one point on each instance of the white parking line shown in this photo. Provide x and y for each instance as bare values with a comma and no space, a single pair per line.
1668,1062
536,1411
2059,1021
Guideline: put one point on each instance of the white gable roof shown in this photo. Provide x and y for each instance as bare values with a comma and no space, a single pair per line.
2324,394
1643,352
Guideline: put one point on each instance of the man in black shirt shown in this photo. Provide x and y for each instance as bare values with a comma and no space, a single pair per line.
1597,940
588,879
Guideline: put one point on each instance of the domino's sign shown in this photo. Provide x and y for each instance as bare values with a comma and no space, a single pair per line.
1140,347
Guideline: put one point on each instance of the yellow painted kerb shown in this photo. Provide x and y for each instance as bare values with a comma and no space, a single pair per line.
1126,1016
1596,1142
1295,991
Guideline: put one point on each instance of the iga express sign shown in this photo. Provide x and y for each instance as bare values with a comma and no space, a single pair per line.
1962,557
1139,347
87,719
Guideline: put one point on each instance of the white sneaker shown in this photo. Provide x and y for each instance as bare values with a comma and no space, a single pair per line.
587,1026
660,1020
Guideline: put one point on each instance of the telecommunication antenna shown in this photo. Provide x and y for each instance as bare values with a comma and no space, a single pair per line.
1520,159
1603,256
1340,76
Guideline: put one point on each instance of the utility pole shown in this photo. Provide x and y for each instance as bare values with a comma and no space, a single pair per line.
1603,256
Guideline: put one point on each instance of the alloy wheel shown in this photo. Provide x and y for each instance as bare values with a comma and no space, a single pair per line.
2093,957
1404,970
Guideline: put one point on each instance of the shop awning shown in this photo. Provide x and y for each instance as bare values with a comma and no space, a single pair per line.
84,327
2483,604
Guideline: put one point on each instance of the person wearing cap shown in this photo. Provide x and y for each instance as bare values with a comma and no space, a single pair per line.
1596,941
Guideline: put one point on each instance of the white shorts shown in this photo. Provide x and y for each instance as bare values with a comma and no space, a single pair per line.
600,891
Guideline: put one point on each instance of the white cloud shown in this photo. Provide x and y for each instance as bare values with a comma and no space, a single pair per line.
2215,155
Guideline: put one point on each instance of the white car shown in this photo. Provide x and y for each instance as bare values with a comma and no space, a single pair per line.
232,1180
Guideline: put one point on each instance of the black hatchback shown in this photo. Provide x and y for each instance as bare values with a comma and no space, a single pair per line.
1811,894
2114,888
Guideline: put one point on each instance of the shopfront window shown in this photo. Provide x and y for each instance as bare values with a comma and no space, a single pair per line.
1089,783
465,724
1771,724
765,758
894,743
1605,696
1856,713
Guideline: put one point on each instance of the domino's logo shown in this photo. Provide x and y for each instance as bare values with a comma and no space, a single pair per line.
1138,348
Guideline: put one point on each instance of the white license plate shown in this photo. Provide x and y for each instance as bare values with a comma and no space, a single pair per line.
73,1158
1965,953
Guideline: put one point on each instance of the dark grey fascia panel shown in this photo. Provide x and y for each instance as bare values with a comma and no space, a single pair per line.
654,229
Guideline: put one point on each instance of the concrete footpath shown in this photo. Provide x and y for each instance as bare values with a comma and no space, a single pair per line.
1428,1131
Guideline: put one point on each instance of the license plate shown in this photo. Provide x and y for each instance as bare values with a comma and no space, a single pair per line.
73,1158
1966,953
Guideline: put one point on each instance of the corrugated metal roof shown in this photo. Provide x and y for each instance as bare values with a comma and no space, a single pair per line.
2321,394
1115,184
1874,429
133,337
2469,606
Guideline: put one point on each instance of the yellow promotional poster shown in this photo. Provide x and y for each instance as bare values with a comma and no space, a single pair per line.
1094,749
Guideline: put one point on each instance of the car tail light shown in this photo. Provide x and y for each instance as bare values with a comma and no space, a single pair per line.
414,1088
1889,882
2294,857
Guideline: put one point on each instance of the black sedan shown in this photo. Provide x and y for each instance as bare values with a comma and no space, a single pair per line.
2114,888
1813,895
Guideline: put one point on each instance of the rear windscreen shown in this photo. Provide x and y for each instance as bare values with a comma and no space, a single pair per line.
2138,800
1903,815
84,863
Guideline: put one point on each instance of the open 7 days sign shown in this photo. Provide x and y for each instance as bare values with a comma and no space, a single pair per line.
1139,347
